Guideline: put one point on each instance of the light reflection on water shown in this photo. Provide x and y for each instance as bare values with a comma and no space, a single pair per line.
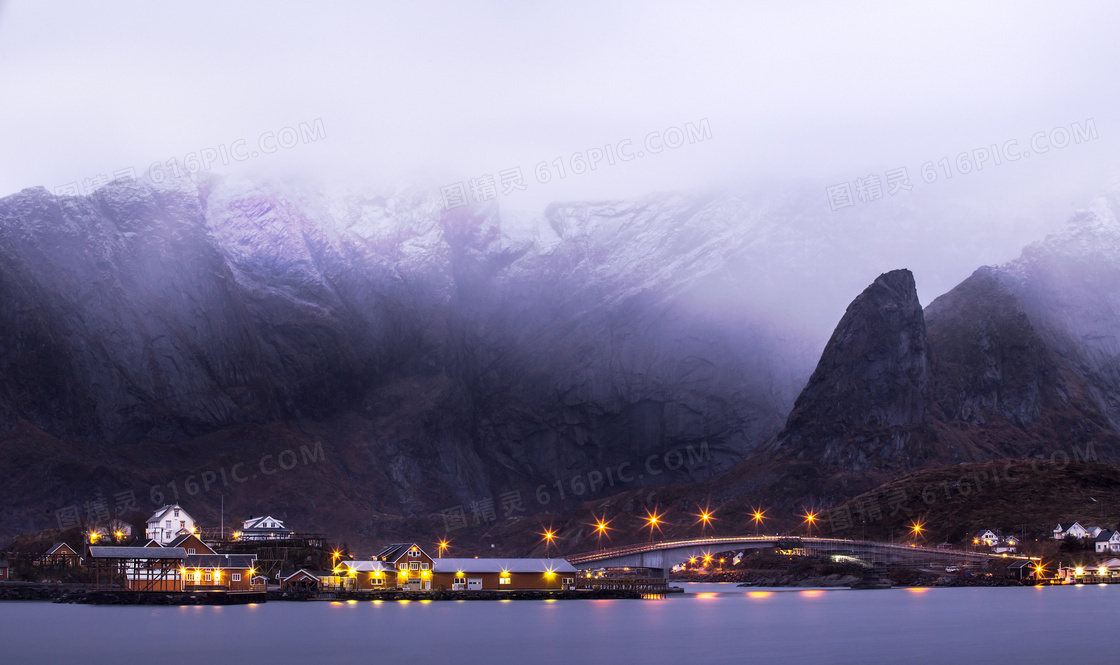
709,624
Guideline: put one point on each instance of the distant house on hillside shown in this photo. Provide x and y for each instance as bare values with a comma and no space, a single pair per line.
1006,544
1107,541
167,523
985,537
4,574
1093,531
1069,529
263,528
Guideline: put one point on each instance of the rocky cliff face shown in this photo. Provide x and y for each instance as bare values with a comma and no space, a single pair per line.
870,387
148,332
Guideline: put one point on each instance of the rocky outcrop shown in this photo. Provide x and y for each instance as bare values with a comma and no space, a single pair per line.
869,390
1015,362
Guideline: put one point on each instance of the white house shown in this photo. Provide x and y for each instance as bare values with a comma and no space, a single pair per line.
1069,529
1108,541
167,523
264,528
1006,544
1093,531
985,537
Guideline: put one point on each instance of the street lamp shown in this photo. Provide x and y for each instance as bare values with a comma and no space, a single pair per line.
601,528
810,517
704,519
916,529
758,517
653,521
442,546
548,536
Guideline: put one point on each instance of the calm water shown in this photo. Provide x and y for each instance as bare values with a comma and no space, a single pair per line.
712,623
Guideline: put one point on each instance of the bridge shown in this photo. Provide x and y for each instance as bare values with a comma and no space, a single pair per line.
666,554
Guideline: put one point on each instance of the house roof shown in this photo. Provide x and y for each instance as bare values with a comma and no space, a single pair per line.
163,510
3,563
180,540
982,533
1066,526
502,565
396,551
1104,536
1021,564
57,546
319,574
366,566
221,560
137,552
254,523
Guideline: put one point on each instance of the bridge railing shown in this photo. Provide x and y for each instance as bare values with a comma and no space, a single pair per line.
625,550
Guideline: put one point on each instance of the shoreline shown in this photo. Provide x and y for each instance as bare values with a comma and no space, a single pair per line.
75,596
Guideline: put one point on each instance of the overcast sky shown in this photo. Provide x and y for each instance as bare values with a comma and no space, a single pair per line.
438,92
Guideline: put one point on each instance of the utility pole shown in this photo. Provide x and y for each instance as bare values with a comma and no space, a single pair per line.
223,516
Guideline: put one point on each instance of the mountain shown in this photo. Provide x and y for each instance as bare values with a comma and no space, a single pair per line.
150,334
1017,361
365,364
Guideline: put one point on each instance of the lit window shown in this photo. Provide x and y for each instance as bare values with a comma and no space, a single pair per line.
415,566
504,580
207,577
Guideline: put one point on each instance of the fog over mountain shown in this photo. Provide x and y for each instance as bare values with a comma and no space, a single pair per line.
444,355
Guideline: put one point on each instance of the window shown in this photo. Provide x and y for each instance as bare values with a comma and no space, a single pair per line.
236,577
377,581
190,550
176,512
182,524
460,580
168,524
568,580
404,566
207,577
424,566
415,566
413,553
504,580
